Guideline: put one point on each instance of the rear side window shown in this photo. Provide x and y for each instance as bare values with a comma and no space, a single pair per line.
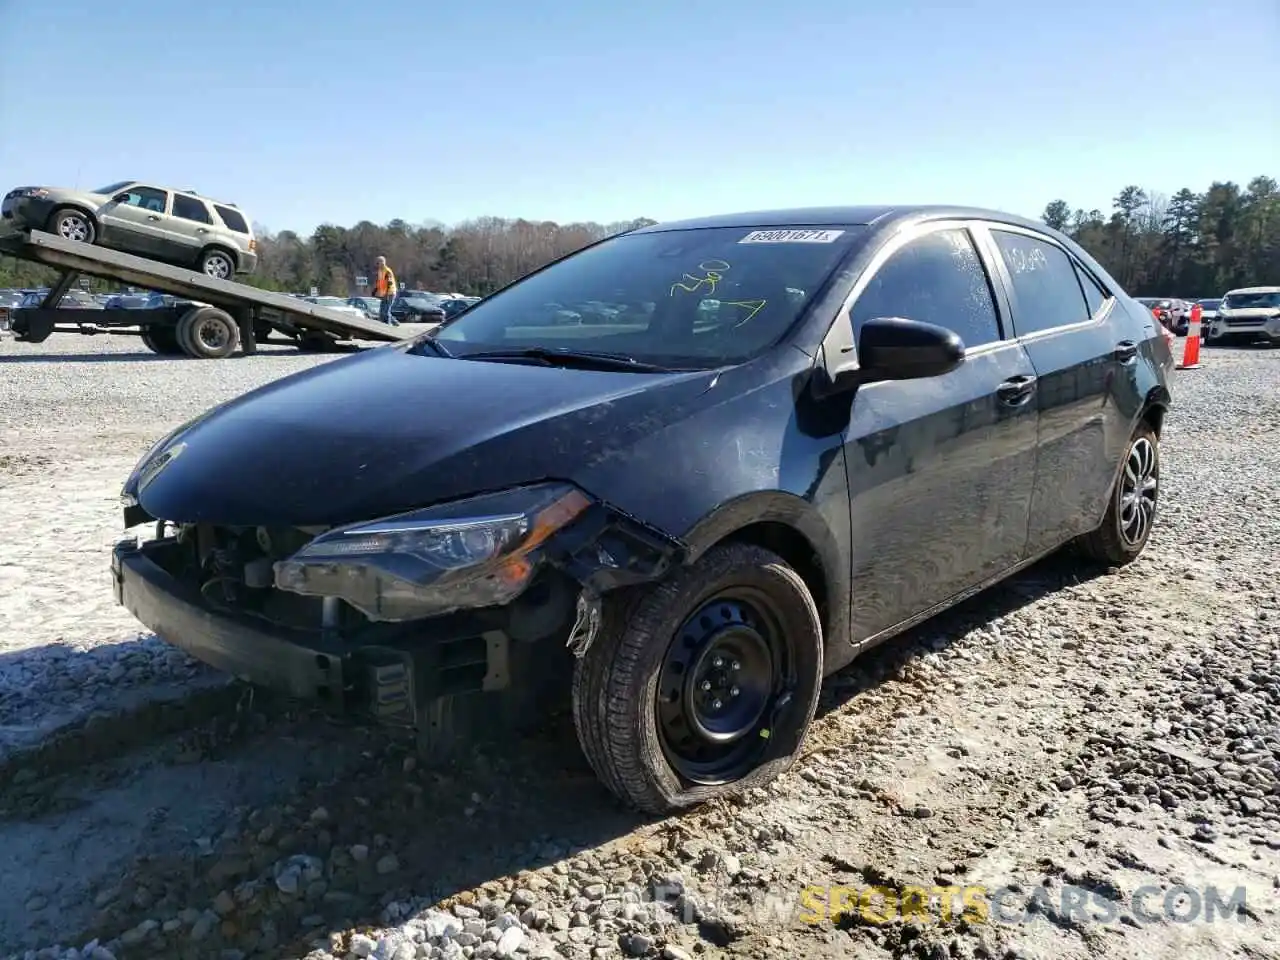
939,279
1046,287
189,208
1093,294
231,218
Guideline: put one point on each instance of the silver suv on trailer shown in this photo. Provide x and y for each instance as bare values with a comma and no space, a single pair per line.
173,226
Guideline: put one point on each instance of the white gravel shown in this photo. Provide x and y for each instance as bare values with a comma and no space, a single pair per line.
1111,733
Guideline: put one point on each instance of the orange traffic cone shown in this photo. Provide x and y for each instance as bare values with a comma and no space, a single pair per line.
1191,345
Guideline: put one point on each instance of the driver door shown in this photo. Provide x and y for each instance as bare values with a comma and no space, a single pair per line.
940,470
137,223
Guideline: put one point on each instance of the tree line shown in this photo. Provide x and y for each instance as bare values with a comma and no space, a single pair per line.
1188,244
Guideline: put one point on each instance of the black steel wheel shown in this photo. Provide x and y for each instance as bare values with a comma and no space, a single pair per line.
703,684
723,671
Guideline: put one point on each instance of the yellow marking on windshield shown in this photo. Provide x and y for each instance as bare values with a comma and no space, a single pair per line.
755,306
714,273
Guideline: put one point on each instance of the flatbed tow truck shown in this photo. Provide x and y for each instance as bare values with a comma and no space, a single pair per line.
213,316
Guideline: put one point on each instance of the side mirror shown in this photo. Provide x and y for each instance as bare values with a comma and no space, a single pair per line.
893,348
121,198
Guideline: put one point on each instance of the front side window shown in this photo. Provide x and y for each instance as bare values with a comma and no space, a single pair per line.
694,298
189,208
1046,287
938,279
148,198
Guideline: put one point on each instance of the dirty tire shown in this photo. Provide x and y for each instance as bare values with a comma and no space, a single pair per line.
162,340
218,263
72,224
208,333
616,682
1114,541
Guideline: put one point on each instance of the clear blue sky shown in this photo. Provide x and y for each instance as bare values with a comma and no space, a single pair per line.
306,111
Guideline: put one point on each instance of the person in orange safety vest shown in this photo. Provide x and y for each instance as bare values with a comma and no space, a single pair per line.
384,287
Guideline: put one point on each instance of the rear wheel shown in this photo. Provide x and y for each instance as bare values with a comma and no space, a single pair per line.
208,333
703,685
218,264
72,224
1124,531
162,340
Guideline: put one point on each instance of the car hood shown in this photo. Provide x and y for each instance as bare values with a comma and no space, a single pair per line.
68,195
386,431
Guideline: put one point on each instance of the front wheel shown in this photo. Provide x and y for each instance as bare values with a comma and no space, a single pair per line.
1131,513
702,685
72,224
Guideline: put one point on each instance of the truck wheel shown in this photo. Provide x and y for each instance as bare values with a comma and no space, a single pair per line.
703,685
1124,531
208,333
72,224
218,264
162,340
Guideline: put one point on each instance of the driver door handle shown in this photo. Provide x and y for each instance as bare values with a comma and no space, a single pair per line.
1126,350
152,216
1016,391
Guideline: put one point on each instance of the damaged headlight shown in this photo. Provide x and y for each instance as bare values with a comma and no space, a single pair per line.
466,554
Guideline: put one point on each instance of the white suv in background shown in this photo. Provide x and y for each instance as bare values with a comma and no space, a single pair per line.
1247,314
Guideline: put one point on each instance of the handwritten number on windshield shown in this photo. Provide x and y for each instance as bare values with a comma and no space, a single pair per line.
713,273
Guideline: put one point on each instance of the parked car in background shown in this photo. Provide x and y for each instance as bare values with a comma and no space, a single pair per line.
452,306
1247,314
8,300
1172,312
371,307
71,300
179,227
338,303
697,520
140,301
417,306
1208,311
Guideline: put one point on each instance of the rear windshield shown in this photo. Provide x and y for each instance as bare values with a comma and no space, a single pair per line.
1250,301
1209,304
702,297
231,218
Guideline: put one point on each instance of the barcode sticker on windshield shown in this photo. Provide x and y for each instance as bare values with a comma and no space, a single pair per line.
792,236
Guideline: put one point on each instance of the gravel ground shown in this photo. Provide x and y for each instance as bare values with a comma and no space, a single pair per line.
1118,735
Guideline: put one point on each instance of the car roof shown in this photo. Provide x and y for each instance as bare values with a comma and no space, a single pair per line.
846,216
1253,290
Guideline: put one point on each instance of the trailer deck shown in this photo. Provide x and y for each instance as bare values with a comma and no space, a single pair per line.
222,309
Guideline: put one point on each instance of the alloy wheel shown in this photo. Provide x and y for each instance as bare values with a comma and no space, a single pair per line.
1139,489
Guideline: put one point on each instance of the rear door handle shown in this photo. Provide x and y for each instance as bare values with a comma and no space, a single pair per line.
1125,351
1016,391
202,230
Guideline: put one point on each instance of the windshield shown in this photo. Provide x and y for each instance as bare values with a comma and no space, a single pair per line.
113,188
1210,304
701,297
1250,301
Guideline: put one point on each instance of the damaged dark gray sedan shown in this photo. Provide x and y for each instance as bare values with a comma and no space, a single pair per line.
691,470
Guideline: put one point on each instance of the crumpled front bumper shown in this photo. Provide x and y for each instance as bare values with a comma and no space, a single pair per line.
389,682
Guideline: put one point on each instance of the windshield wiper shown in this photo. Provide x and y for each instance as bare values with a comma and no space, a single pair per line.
554,357
437,346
